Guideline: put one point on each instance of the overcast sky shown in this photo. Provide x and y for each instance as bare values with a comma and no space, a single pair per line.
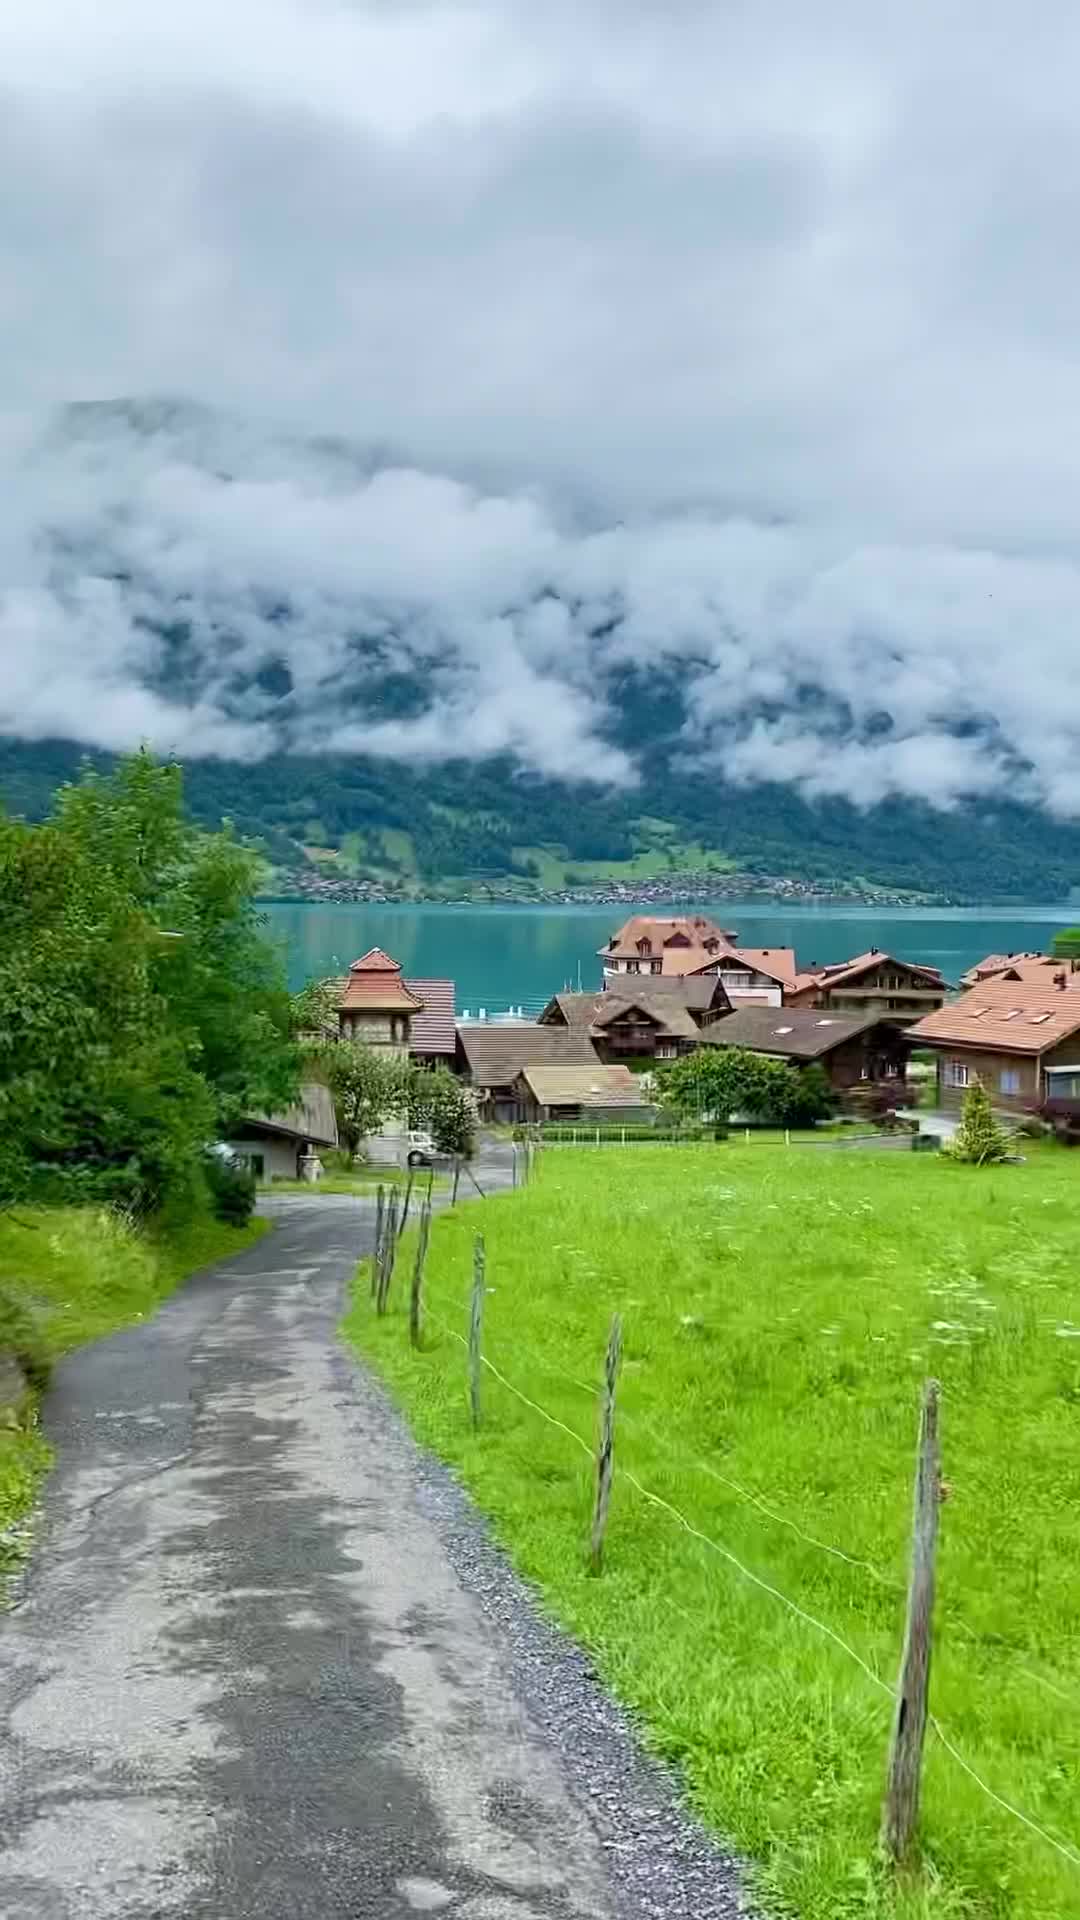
747,331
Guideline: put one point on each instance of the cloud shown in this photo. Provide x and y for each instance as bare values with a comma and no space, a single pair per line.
521,344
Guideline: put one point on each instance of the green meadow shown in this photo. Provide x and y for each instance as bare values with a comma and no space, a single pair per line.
781,1311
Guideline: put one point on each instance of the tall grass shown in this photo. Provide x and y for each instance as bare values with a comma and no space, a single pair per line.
780,1312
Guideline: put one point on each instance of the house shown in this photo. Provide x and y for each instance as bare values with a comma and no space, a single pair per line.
688,945
272,1145
581,1094
375,1006
1018,966
852,1048
493,1054
646,1021
873,982
1019,1036
433,1033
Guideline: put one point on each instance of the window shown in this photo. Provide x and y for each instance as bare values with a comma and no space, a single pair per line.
633,966
644,945
956,1073
1009,1081
665,1050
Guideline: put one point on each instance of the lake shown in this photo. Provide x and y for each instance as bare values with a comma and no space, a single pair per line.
503,956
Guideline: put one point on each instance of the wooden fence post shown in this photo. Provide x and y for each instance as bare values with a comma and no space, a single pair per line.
457,1177
476,1320
901,1810
513,1153
605,1452
376,1258
408,1198
418,1274
389,1249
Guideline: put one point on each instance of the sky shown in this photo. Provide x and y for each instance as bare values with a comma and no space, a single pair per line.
505,345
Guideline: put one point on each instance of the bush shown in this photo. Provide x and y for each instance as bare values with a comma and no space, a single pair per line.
981,1139
232,1190
21,1336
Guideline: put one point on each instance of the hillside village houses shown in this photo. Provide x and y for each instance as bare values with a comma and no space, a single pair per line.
1018,1033
686,945
670,984
873,982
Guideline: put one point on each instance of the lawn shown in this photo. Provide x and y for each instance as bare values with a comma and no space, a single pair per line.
73,1275
781,1312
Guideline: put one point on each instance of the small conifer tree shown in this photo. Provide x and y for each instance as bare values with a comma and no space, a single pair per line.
980,1139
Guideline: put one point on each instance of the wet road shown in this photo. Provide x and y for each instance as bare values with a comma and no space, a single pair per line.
242,1677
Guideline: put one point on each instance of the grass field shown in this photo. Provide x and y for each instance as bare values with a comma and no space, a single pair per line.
72,1276
781,1312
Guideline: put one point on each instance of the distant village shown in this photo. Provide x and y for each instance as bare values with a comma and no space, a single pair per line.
316,884
668,985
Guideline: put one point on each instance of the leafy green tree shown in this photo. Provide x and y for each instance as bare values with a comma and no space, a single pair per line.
141,1010
980,1139
717,1082
1066,944
440,1103
369,1088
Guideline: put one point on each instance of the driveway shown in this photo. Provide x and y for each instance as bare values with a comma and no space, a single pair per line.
265,1661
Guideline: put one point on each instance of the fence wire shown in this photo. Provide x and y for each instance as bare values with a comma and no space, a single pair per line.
1065,1849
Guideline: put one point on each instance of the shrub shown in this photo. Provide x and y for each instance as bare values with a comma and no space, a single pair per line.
232,1190
21,1336
981,1139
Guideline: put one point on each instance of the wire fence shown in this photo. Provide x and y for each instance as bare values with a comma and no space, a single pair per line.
684,1459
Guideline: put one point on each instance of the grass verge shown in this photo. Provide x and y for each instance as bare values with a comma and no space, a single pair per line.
781,1312
69,1276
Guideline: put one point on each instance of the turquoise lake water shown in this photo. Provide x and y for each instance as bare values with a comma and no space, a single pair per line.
503,956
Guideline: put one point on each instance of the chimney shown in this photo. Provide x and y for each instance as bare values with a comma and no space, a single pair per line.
1060,981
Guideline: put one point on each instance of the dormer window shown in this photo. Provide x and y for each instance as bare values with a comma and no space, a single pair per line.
644,945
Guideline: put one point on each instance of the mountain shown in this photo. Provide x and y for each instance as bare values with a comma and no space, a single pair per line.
444,680
448,827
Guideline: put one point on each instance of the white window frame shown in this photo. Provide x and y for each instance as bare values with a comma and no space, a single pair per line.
1009,1080
957,1073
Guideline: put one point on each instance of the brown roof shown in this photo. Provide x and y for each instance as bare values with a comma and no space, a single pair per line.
779,961
496,1052
374,982
694,928
1010,1016
1026,966
593,1012
584,1086
672,1019
312,1118
843,971
433,1028
792,1033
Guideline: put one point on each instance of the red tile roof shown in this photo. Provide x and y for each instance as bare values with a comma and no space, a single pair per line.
844,972
1008,1016
375,983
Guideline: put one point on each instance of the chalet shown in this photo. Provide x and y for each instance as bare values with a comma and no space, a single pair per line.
873,982
272,1145
376,1006
581,1094
492,1055
1019,1036
1015,966
688,945
653,1020
853,1049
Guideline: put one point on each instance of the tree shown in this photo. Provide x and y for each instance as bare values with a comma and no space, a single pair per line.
980,1138
439,1102
368,1089
717,1082
141,1009
1066,944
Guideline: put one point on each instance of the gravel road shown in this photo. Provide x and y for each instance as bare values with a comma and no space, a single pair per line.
265,1661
